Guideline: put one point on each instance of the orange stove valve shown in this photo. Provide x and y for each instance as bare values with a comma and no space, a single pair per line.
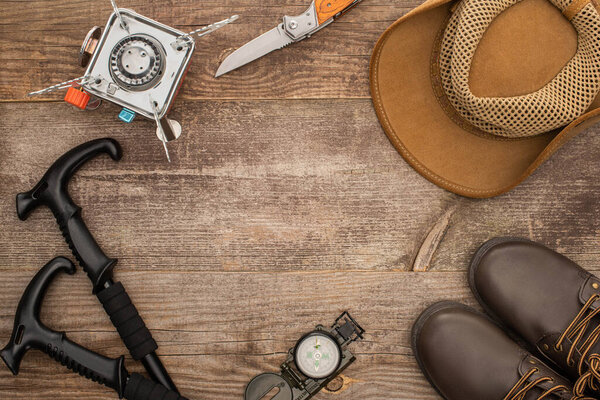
77,97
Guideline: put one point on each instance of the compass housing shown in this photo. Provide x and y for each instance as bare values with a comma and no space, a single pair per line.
300,380
323,361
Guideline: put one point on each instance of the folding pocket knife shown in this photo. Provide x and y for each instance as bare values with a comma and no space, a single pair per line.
293,29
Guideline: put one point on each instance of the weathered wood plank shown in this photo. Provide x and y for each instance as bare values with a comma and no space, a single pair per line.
40,42
270,186
275,199
274,186
217,330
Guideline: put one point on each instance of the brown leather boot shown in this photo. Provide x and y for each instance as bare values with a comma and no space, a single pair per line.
465,356
546,299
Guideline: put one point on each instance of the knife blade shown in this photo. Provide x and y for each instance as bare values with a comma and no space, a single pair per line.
273,40
293,29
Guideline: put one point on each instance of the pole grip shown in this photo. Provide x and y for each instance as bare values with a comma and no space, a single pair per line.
91,365
52,191
125,317
140,388
97,265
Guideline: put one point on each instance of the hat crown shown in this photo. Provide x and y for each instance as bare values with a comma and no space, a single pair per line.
567,96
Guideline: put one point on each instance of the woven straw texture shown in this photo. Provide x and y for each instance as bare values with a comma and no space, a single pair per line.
564,99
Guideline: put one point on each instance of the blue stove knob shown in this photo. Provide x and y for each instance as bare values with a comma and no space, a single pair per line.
126,115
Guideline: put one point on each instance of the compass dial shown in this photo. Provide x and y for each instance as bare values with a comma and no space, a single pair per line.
317,355
137,62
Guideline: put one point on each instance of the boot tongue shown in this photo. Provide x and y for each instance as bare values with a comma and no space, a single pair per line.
590,287
596,347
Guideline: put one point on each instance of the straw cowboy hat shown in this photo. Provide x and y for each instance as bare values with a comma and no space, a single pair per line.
476,94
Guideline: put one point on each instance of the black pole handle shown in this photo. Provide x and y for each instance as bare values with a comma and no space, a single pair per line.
140,388
30,333
52,191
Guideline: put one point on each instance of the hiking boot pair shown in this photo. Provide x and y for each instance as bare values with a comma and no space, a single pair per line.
540,339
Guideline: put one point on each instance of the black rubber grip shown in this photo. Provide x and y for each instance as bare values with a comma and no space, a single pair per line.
93,366
125,318
140,388
86,250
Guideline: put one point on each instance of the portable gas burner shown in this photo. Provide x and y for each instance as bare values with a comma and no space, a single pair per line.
138,64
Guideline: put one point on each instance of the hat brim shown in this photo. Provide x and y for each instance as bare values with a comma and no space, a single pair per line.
445,153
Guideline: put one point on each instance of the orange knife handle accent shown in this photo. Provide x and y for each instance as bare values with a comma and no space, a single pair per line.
326,9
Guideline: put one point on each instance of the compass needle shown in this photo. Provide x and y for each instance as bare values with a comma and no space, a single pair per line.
323,355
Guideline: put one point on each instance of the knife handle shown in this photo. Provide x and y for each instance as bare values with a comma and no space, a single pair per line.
327,9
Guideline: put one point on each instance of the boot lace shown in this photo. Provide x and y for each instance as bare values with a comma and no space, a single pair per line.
575,332
522,387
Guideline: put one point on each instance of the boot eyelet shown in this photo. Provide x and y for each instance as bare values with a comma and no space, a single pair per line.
558,348
546,347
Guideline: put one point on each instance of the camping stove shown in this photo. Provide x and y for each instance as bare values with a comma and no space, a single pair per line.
136,63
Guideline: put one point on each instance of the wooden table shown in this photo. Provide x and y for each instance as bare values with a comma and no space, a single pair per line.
284,205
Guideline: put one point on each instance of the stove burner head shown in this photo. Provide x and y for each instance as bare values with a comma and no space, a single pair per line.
137,62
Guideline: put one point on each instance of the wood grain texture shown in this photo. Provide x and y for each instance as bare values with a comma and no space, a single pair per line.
217,330
40,43
272,186
256,227
284,205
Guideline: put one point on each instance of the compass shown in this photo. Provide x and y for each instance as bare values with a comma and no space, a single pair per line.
317,354
316,359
